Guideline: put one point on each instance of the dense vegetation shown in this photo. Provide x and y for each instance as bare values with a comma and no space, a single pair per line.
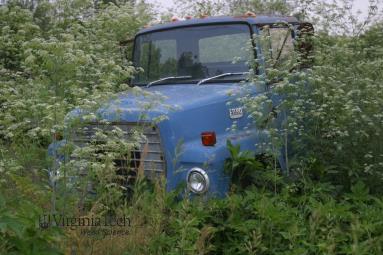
56,56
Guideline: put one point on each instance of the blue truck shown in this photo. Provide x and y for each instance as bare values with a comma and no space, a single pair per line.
199,65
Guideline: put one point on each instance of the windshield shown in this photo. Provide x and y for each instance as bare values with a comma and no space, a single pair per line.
197,51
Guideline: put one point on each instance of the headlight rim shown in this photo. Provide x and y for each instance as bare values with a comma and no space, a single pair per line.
204,175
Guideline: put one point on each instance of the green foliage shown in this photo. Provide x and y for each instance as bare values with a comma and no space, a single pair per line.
247,169
19,233
52,58
58,56
332,128
16,28
231,7
263,222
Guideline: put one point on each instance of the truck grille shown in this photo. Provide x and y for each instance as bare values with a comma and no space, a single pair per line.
147,156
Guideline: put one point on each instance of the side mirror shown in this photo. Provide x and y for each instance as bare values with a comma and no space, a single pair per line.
126,50
305,43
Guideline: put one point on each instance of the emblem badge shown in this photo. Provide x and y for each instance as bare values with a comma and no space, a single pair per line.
236,113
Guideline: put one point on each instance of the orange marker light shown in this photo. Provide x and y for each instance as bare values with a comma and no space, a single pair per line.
208,138
174,19
250,14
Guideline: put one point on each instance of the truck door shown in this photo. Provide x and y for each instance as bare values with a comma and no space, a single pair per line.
277,59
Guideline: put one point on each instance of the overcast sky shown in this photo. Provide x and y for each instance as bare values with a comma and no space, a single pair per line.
358,4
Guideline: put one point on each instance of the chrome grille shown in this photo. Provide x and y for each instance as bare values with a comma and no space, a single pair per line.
147,156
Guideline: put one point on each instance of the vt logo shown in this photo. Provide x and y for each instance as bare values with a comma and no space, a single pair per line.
44,221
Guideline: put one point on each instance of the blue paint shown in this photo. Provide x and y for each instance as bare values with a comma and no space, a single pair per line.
198,109
258,20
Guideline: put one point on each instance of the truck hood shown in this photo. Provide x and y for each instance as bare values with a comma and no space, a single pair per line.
165,99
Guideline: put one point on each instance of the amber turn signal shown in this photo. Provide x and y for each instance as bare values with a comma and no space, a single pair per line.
208,138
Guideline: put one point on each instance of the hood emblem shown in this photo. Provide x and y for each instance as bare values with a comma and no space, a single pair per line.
236,113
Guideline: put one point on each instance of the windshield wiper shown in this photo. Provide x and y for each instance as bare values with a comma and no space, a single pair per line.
219,76
168,78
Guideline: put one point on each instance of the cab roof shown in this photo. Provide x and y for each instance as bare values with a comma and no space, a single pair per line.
257,20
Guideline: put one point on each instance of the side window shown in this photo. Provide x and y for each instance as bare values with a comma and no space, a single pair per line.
277,47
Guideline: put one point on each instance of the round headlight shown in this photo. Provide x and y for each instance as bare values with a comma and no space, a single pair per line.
197,180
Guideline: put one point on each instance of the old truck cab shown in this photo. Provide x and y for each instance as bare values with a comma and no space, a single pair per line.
199,66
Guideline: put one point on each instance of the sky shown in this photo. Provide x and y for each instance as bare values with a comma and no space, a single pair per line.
361,5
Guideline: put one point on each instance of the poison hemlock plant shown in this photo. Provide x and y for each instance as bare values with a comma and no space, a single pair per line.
58,56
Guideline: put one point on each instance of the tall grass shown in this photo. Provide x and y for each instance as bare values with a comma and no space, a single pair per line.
64,55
